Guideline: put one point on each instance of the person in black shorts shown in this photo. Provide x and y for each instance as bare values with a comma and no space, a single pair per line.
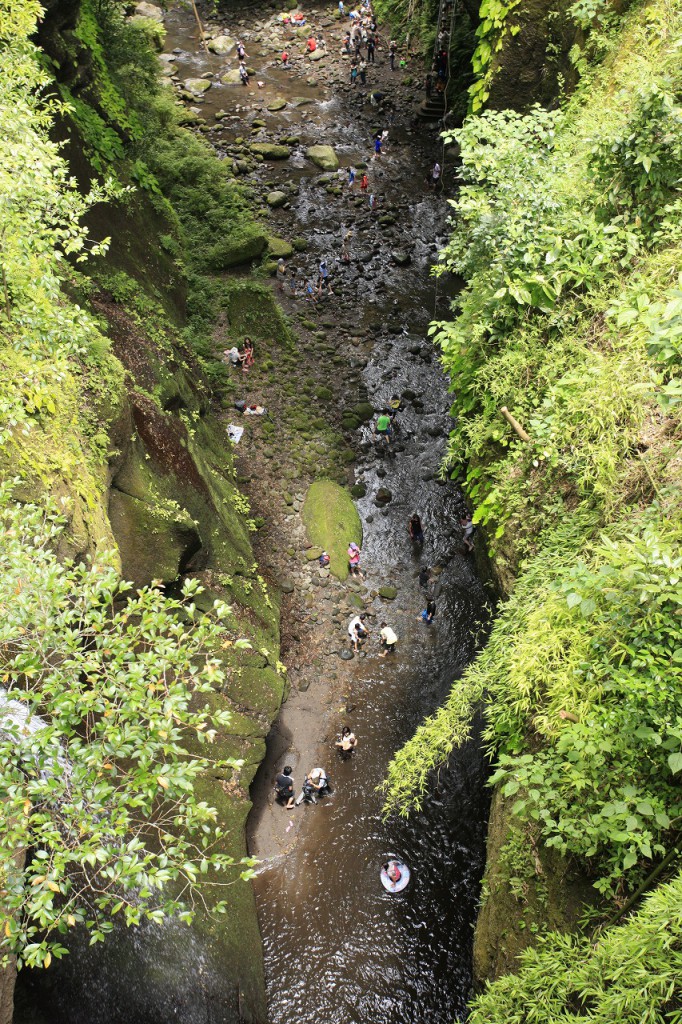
284,786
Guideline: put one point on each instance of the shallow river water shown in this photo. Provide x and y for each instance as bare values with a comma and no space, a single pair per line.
338,948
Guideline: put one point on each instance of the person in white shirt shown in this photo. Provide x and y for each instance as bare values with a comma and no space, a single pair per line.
388,639
357,630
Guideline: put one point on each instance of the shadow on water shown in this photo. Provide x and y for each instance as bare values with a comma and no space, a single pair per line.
339,948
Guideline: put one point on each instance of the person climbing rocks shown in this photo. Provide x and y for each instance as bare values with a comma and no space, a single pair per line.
311,44
362,72
373,203
243,73
341,8
358,631
285,58
351,177
384,426
429,612
468,527
284,787
392,50
353,73
346,743
364,182
371,46
388,639
424,576
345,247
378,142
416,530
281,273
435,174
354,559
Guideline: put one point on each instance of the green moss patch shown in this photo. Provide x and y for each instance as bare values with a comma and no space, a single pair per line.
332,521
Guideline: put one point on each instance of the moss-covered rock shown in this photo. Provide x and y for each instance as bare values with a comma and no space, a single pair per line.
332,521
279,247
270,150
323,156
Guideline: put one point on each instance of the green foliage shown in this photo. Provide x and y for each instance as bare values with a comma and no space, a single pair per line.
638,169
570,318
631,974
546,254
46,341
101,702
490,34
607,648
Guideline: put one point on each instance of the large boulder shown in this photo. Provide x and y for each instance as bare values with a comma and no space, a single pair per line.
324,157
275,199
279,103
270,151
146,10
198,86
280,248
221,45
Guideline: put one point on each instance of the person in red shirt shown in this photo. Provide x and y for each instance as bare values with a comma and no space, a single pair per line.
312,44
285,58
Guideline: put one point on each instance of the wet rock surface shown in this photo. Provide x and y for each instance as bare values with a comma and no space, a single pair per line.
361,348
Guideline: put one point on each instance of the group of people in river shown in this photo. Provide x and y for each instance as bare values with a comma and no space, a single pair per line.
360,45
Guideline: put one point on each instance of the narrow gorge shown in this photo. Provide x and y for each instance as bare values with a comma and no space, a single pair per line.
473,227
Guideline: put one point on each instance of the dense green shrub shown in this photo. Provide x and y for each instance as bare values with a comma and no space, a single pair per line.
630,974
567,234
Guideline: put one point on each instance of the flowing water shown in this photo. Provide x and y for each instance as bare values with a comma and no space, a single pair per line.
338,948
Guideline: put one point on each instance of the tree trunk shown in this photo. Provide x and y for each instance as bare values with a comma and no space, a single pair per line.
8,976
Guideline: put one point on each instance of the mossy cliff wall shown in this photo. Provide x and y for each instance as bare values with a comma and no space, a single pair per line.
132,446
563,350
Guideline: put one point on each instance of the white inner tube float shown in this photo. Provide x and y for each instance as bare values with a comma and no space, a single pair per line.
395,884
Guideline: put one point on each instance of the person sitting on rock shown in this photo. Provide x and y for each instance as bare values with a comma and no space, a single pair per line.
284,786
324,560
311,45
247,357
